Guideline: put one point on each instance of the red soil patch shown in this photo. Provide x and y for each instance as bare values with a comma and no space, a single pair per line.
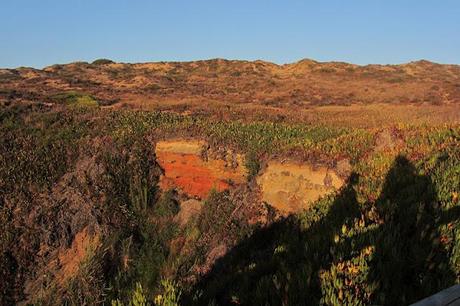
194,176
189,173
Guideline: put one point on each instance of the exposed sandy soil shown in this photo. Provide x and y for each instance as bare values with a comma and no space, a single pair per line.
185,169
71,258
65,263
291,187
188,209
193,147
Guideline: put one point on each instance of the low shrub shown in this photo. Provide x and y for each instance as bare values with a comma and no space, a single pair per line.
252,164
102,61
167,205
75,99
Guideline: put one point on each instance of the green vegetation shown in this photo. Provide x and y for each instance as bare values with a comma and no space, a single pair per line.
167,205
390,236
252,164
8,77
75,99
102,61
393,250
170,296
395,80
42,150
257,137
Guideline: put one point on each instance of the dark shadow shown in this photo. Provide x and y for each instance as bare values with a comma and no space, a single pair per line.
410,261
282,264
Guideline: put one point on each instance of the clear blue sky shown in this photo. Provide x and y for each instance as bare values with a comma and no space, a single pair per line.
38,33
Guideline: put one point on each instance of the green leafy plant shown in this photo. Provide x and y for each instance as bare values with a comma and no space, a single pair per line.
170,295
75,99
252,164
167,205
138,298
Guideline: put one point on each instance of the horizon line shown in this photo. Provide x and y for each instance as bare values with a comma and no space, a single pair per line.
235,60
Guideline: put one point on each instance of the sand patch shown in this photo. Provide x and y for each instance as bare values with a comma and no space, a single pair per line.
193,147
188,210
291,187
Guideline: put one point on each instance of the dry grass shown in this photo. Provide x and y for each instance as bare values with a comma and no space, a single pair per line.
306,90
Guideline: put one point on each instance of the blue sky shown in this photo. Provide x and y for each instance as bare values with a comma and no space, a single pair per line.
38,33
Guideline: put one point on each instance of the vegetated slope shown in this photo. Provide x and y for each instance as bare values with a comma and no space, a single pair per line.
301,84
102,204
84,222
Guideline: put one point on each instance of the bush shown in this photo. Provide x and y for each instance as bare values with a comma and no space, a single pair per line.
138,298
76,99
252,164
102,61
167,205
170,294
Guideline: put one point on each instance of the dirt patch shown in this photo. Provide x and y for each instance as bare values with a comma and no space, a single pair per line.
188,209
387,140
291,187
71,258
343,168
185,169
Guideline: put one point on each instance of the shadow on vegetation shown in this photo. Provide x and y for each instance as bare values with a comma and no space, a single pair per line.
389,252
